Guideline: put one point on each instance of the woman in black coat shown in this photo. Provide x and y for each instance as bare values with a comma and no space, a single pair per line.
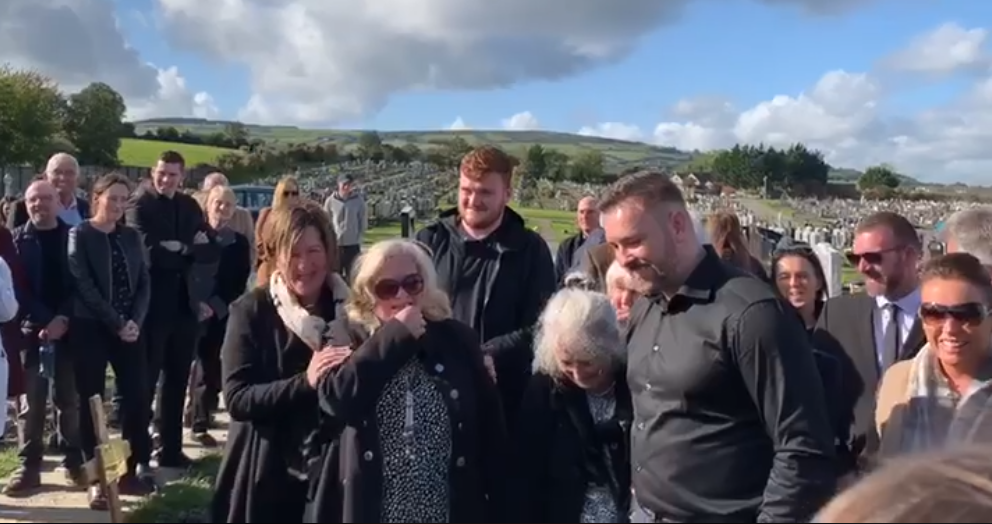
275,351
571,454
422,435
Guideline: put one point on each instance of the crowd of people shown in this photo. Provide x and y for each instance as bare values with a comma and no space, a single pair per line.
654,370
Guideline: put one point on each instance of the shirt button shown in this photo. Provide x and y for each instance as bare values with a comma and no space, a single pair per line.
439,368
640,425
460,462
638,468
454,394
460,426
647,386
655,348
368,456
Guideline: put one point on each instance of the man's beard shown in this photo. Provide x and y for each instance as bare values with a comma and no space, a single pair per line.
480,220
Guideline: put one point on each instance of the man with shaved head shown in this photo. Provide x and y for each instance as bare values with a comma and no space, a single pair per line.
41,247
587,220
62,171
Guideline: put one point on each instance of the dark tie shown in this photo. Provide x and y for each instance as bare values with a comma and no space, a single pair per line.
891,345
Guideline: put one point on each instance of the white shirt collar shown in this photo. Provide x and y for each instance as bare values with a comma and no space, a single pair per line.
908,304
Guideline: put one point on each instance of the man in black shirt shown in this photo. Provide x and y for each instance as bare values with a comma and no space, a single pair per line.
174,232
730,421
41,246
587,218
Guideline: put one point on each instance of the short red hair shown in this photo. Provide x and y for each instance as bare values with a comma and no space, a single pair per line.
487,159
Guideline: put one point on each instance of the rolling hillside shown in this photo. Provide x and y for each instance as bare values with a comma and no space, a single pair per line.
619,154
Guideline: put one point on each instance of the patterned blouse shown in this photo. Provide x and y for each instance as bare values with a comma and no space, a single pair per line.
600,505
123,298
415,435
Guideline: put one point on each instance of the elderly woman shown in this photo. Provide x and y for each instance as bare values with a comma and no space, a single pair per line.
619,291
230,277
423,435
571,455
942,396
276,349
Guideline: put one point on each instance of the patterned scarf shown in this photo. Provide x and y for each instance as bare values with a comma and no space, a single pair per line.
311,329
934,418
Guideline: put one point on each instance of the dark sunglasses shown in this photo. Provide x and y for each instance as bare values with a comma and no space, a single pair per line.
873,258
388,288
290,193
970,313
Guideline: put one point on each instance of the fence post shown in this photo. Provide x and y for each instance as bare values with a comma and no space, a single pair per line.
406,222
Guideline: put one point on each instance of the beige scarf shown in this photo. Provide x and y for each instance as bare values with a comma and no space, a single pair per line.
311,329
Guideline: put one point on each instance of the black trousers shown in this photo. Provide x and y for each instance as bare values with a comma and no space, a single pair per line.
206,374
94,346
346,257
171,343
63,393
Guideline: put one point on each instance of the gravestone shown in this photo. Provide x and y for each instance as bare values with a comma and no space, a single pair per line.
833,265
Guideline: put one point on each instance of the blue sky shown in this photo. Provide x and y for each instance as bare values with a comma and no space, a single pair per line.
738,49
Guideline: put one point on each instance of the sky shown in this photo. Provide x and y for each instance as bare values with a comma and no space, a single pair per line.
906,82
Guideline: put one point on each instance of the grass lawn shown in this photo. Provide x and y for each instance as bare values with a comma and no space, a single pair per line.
143,153
184,500
9,461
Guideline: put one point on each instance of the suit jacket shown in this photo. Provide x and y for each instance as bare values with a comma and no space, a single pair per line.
19,214
846,331
596,261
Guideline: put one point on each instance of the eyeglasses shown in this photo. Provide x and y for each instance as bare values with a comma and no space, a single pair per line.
388,288
873,257
970,313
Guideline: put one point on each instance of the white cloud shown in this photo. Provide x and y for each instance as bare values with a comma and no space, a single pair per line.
614,130
947,49
844,116
524,121
331,61
77,42
459,125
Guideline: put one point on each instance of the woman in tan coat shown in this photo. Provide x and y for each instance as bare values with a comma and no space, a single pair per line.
287,193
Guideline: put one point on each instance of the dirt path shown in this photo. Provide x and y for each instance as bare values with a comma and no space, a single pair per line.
55,502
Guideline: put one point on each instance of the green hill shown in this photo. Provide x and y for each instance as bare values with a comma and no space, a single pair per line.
143,153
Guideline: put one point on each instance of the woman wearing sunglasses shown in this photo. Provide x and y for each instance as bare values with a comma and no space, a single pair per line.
423,437
942,396
286,194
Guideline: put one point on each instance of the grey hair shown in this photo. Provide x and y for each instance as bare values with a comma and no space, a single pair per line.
58,158
616,275
971,230
585,323
580,280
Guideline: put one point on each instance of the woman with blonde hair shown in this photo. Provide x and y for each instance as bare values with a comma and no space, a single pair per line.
277,346
422,431
727,237
287,193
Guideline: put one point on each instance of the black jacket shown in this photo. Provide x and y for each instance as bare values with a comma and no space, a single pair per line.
19,213
565,258
519,278
228,274
36,313
89,263
349,488
559,451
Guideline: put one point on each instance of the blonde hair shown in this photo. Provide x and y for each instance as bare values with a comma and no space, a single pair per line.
286,182
948,486
284,227
360,304
583,321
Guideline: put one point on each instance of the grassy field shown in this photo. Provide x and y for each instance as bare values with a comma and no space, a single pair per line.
616,152
139,152
185,500
553,225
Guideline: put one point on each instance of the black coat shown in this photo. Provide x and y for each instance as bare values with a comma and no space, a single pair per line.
270,404
558,451
349,488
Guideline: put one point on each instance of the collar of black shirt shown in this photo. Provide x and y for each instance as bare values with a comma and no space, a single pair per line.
701,284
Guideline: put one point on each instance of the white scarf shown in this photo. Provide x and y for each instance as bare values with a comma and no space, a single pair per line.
311,329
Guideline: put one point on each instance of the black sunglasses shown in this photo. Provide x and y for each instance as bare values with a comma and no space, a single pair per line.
873,257
290,193
969,313
388,288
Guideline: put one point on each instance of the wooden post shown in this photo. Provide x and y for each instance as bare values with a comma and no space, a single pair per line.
109,463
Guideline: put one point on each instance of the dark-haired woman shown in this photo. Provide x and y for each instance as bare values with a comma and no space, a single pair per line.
112,292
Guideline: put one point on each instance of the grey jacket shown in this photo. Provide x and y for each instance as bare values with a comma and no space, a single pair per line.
89,264
349,216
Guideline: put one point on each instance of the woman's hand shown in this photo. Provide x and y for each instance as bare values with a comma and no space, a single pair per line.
413,318
324,361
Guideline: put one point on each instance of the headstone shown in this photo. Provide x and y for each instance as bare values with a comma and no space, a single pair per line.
833,265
